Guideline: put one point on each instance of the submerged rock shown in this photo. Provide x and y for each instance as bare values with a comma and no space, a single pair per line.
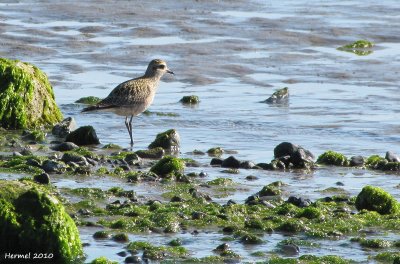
281,96
154,153
26,96
85,135
333,158
168,140
376,199
89,100
190,99
32,220
230,162
357,161
65,146
65,127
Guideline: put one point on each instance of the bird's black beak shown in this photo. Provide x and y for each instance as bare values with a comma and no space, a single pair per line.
170,72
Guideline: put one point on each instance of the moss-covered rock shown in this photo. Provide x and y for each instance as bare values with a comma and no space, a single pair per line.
103,260
154,153
376,199
190,99
168,140
26,96
359,47
89,100
168,167
278,97
333,158
32,220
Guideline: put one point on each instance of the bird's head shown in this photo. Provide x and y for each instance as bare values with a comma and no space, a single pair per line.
157,68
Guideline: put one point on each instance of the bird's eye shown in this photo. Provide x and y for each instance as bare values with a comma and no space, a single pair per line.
161,67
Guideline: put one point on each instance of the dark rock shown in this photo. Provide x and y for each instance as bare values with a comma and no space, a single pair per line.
83,170
230,202
216,162
290,249
392,157
132,159
73,157
293,155
357,161
154,153
203,174
251,178
176,199
17,154
247,165
122,254
190,99
230,162
51,166
198,215
133,259
281,96
43,178
33,162
85,135
264,166
64,127
299,202
65,146
168,140
223,247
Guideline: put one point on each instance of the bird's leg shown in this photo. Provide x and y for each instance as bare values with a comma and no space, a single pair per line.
130,129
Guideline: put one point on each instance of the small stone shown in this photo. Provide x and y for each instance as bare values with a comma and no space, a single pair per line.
132,159
203,174
251,178
392,157
176,199
190,99
246,165
65,146
133,259
223,247
65,127
73,157
122,254
290,249
85,135
230,202
43,178
154,153
357,161
299,202
122,238
230,162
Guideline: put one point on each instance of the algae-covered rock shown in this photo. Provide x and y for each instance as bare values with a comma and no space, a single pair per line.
85,135
168,140
359,47
376,199
64,127
281,96
103,260
168,166
154,153
333,158
89,100
26,96
32,220
190,99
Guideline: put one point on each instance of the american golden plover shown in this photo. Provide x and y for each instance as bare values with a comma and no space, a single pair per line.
134,96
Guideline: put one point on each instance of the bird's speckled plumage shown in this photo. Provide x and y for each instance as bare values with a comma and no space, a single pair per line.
134,96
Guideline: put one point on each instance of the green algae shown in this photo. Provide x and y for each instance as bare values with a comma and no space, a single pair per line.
103,260
170,114
376,199
168,140
111,146
190,99
217,151
387,257
372,243
35,221
20,164
26,97
168,167
158,252
89,100
121,237
359,47
333,158
220,182
101,235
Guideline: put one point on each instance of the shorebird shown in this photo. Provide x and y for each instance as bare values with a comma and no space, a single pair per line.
134,96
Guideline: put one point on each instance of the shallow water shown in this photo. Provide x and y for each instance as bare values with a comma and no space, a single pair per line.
232,55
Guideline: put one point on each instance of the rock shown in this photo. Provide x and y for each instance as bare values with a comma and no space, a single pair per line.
132,159
391,157
281,96
168,140
299,202
26,96
65,127
269,191
121,237
35,135
133,259
32,220
231,162
154,153
190,99
168,167
376,199
251,178
357,161
217,152
290,249
43,178
221,248
73,157
85,135
89,100
51,166
216,162
247,165
333,158
292,156
65,146
17,154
